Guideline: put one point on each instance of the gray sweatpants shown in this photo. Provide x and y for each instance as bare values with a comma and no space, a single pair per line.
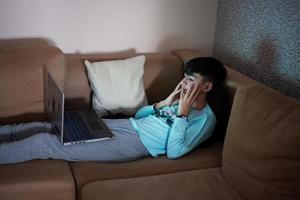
28,141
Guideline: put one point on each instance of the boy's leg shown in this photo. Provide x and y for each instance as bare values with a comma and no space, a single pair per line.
12,132
33,147
126,145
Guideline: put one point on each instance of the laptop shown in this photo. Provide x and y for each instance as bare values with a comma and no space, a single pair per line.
72,127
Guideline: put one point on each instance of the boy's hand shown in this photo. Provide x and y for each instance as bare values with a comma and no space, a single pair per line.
186,100
174,95
171,98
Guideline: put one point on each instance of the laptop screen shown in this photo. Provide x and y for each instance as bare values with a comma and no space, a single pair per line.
54,105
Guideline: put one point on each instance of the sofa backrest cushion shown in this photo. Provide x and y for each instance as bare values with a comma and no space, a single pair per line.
261,156
23,42
162,72
22,81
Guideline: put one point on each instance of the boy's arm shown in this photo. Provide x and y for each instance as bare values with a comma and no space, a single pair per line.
184,137
148,110
144,111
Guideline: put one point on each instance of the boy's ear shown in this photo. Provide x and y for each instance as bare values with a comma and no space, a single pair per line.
208,86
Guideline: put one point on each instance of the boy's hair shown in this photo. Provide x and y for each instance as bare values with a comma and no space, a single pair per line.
214,71
210,68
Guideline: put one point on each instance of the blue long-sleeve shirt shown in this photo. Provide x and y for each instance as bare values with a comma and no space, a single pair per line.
175,139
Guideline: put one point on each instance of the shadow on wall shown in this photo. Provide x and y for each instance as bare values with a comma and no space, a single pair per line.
41,41
171,42
263,66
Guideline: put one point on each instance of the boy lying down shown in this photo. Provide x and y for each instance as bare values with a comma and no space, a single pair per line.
173,126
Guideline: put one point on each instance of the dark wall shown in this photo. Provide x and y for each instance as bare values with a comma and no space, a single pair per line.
262,40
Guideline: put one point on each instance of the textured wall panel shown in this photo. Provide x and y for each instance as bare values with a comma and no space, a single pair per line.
262,40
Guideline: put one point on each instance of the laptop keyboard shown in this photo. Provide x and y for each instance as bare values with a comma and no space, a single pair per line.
76,128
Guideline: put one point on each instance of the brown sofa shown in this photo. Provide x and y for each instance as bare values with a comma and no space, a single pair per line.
260,158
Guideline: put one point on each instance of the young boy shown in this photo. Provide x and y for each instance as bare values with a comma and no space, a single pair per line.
173,126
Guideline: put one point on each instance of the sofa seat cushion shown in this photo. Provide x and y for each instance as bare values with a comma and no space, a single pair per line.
196,184
200,158
261,156
37,179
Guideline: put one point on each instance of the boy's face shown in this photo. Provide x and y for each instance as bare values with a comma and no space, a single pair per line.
194,80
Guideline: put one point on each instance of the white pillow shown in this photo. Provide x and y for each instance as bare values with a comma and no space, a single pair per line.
117,85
